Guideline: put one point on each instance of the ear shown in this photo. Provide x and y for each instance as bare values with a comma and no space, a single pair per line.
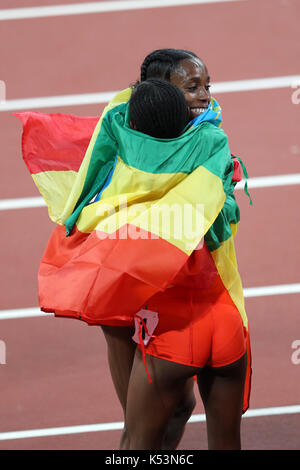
132,125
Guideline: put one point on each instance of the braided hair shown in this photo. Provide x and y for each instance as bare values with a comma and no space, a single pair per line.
162,62
158,108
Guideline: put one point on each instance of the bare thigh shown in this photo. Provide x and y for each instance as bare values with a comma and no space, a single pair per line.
222,391
150,406
120,350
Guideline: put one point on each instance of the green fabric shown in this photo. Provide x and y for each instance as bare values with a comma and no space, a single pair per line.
204,144
182,154
220,230
246,178
101,163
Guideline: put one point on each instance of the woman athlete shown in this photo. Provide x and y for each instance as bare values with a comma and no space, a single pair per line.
159,109
220,379
198,302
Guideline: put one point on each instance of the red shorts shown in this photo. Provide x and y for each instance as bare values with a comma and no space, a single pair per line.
197,327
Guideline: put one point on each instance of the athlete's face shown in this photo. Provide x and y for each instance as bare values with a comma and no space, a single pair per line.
193,79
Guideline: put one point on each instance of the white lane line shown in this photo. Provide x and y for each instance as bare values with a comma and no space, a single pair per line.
47,432
262,291
4,436
57,101
22,313
257,182
96,7
270,181
272,411
98,98
21,203
256,84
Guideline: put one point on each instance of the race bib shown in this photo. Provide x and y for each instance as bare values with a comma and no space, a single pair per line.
145,323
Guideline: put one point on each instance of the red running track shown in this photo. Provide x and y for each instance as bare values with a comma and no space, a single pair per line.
56,371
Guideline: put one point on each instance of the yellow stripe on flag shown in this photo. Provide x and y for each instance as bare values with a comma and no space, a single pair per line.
225,261
130,190
197,196
177,207
75,193
55,187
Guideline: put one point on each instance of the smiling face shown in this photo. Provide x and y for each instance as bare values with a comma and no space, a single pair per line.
192,78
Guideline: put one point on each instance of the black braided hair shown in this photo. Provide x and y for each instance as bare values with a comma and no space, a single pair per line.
158,108
162,62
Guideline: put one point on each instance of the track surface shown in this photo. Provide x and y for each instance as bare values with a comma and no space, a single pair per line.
56,371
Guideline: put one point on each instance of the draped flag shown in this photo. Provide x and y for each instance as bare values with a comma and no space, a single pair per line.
134,214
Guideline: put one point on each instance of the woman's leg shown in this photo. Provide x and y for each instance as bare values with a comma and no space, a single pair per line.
151,406
221,389
180,417
120,351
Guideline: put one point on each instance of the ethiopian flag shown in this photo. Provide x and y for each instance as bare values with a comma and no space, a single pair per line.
130,209
133,212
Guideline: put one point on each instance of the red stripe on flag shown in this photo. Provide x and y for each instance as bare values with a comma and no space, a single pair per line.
104,281
55,141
